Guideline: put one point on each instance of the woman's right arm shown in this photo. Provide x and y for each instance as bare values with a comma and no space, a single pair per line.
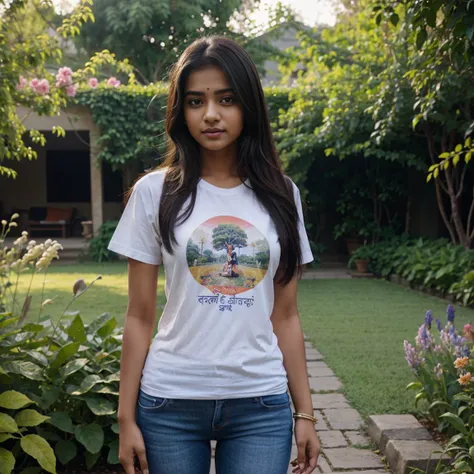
138,331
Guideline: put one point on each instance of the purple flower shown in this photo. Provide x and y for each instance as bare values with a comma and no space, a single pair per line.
428,319
424,339
438,323
450,312
411,355
466,352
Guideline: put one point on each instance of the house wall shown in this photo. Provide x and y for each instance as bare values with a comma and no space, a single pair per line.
287,40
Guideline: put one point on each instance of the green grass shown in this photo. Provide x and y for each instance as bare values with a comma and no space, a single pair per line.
106,295
359,326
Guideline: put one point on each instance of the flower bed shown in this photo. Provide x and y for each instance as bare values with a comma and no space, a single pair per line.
442,362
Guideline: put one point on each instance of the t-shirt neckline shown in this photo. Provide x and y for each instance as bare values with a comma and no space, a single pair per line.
216,189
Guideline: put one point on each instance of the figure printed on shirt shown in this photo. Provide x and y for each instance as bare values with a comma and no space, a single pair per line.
227,255
230,267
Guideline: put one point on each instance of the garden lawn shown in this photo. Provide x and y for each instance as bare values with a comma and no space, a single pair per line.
359,326
108,294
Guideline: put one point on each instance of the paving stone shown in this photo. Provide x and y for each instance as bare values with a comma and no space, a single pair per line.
329,400
213,447
321,424
332,439
318,384
320,372
343,418
352,458
369,471
308,345
317,364
381,428
356,437
313,354
404,455
323,464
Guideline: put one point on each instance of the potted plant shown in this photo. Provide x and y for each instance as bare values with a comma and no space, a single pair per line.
356,218
361,258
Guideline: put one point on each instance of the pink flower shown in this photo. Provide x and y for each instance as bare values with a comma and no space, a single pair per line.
42,87
21,84
34,83
468,332
64,77
113,82
93,82
71,91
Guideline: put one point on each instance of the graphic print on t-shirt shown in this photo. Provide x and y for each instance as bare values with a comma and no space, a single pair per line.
227,255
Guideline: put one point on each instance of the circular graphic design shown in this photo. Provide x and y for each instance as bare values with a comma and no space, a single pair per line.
227,255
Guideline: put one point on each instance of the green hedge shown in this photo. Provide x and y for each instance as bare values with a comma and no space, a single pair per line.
430,264
131,119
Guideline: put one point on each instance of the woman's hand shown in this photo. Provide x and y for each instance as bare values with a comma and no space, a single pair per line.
308,445
131,444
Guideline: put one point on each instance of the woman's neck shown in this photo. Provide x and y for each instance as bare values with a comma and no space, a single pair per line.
219,165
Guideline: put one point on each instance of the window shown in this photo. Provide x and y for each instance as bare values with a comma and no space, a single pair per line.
68,176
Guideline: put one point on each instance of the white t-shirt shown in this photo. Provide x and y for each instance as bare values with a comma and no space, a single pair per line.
215,339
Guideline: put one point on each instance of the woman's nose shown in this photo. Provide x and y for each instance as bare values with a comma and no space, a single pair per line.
211,113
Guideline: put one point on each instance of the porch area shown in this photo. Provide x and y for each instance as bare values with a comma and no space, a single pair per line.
66,184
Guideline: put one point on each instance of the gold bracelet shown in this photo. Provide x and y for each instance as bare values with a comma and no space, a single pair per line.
305,417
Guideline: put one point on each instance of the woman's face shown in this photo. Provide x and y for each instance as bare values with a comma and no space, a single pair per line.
212,113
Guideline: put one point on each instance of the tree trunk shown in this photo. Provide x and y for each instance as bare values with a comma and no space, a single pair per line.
455,214
439,198
408,216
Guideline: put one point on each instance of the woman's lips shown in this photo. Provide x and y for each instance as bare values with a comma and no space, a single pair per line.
213,133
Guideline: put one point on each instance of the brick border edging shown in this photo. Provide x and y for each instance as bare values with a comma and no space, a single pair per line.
405,443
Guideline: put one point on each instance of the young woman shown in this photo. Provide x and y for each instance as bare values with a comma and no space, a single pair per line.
226,349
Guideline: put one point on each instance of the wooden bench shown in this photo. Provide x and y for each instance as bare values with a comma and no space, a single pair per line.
51,218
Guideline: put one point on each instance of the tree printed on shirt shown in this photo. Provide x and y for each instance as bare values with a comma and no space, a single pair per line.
192,252
225,234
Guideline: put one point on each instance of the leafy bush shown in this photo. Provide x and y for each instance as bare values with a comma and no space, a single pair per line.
67,371
464,290
98,245
70,372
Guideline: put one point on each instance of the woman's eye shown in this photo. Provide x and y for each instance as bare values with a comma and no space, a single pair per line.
194,102
228,100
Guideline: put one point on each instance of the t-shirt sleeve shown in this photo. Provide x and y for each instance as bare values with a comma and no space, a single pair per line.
306,253
137,234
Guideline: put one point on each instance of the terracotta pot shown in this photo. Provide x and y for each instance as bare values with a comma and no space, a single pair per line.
352,244
362,266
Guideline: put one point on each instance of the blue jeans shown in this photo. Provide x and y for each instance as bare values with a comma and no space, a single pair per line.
253,434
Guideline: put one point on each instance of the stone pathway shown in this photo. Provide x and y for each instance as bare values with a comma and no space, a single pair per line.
327,273
341,430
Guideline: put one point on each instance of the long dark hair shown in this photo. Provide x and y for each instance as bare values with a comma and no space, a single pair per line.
257,157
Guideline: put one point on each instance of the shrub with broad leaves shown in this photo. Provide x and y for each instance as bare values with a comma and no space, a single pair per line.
59,379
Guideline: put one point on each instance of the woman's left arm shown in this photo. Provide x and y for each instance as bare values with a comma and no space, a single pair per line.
287,327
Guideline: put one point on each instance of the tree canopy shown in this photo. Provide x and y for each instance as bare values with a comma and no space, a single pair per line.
152,34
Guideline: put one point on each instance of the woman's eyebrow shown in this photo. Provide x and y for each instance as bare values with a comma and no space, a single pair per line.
199,93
